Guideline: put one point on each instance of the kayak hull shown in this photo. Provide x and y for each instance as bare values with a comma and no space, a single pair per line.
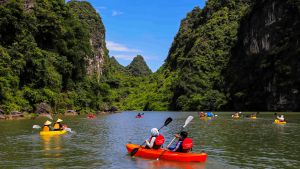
236,116
253,117
52,133
139,117
91,118
277,122
206,117
168,155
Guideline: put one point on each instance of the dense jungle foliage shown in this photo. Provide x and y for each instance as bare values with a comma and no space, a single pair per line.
137,68
43,58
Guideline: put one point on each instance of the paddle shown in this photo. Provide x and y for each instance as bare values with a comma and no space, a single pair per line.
36,127
165,124
187,121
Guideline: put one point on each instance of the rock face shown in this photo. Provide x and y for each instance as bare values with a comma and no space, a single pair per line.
28,5
71,112
16,114
268,41
87,15
43,109
108,110
2,115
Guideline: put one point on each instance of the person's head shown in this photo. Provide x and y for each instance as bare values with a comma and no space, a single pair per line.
154,132
183,135
47,123
59,120
281,116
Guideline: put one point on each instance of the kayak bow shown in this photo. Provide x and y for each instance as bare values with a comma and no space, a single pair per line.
168,155
206,117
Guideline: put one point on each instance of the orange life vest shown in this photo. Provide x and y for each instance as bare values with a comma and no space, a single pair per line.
46,128
56,126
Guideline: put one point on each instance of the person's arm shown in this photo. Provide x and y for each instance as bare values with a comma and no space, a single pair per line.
151,142
176,147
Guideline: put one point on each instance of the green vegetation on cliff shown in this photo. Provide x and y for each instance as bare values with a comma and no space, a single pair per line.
137,68
230,55
43,58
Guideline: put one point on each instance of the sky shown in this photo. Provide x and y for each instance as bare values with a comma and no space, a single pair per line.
147,28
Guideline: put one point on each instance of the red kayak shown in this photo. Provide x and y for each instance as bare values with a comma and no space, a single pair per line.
92,117
139,117
168,155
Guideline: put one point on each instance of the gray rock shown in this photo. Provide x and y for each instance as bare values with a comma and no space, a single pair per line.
43,109
16,114
71,112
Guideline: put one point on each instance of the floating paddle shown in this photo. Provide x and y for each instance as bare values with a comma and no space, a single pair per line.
36,127
187,121
136,149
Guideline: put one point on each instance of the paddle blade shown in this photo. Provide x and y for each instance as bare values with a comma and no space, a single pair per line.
188,120
48,115
134,151
36,127
67,129
257,112
168,121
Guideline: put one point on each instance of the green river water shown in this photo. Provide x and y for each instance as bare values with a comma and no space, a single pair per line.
100,143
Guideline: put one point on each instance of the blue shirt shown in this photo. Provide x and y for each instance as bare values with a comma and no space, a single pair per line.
176,148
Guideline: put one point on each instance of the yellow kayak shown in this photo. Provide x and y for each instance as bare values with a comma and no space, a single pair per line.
52,133
253,117
276,121
206,117
236,116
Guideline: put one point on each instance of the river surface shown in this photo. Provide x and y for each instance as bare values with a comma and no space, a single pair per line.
100,143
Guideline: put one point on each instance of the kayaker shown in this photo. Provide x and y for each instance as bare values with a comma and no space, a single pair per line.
236,114
58,126
281,119
91,115
201,114
47,126
139,115
183,145
205,115
156,140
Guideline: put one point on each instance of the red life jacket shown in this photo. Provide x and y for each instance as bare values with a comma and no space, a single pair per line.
159,140
187,144
252,115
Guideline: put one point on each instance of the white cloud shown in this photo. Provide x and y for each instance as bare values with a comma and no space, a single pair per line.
125,57
114,12
119,47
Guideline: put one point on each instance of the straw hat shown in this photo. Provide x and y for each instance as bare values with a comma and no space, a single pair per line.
47,122
59,120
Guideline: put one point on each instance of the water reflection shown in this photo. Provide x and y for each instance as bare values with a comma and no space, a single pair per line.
52,145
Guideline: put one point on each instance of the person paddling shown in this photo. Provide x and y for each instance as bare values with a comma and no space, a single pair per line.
156,140
281,119
183,145
47,126
139,115
201,114
91,115
236,114
58,126
253,115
